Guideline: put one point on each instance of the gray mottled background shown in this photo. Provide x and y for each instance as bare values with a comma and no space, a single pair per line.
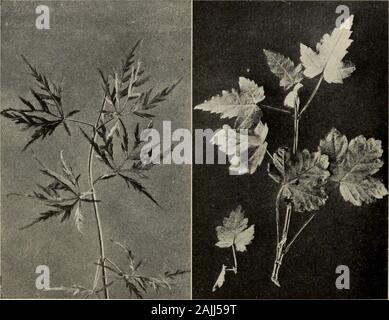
86,35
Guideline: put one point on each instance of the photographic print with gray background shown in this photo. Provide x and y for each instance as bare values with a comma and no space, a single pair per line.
85,36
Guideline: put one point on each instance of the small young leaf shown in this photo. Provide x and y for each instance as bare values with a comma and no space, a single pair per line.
234,231
284,69
78,218
220,279
292,99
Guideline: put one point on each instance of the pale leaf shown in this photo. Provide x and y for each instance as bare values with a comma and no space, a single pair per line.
284,69
330,53
234,231
240,144
115,129
353,166
303,178
334,145
242,104
244,238
220,279
78,218
67,170
292,99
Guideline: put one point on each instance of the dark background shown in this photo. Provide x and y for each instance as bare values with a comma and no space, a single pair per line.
228,39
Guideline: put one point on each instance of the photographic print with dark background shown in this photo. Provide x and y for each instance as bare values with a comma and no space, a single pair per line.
228,39
84,36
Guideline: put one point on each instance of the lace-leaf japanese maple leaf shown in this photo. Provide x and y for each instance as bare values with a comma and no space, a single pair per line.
242,104
284,69
234,231
302,177
330,52
353,165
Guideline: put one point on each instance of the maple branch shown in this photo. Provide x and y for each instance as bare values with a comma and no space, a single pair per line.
312,96
95,207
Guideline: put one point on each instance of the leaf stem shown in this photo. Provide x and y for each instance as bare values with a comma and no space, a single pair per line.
280,246
296,129
298,233
275,109
311,97
80,121
235,260
269,154
278,214
95,207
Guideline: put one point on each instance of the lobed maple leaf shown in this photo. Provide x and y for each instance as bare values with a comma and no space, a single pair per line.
302,177
284,69
353,165
234,231
330,51
241,105
236,145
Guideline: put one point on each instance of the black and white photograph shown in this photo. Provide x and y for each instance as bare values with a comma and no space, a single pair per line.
82,216
193,158
305,216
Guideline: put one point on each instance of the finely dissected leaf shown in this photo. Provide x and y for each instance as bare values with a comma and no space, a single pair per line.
42,126
330,53
353,166
47,115
62,195
303,178
220,279
78,218
236,144
146,102
292,99
284,69
234,231
136,282
242,105
138,187
104,151
68,171
122,90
